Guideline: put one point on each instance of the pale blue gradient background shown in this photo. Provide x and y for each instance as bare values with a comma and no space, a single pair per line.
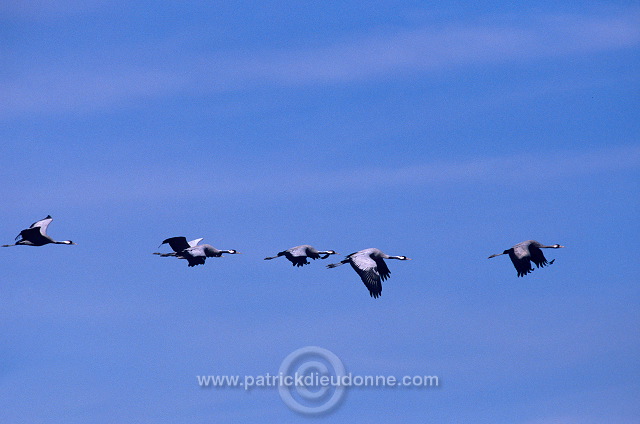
441,131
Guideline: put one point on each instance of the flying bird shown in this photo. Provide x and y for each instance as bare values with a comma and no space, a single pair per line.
36,235
370,266
522,254
194,253
298,255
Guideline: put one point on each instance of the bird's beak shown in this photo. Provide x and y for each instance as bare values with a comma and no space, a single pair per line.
408,259
560,246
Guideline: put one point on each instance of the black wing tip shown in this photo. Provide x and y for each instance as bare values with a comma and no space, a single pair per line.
541,264
299,261
525,272
172,238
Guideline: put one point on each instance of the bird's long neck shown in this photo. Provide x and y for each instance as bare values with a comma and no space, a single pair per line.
63,242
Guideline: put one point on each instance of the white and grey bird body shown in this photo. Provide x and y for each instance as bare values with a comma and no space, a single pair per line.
194,253
298,255
36,235
371,267
197,255
523,253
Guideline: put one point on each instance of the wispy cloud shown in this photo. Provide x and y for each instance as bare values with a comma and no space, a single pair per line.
70,87
92,187
441,47
510,169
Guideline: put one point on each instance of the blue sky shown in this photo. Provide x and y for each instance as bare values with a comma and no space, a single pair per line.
444,132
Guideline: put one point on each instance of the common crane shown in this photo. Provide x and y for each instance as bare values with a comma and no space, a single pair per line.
522,254
298,255
194,253
370,266
36,235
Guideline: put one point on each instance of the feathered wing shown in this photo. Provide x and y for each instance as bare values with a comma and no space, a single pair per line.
31,234
178,244
537,257
195,260
383,269
193,255
297,255
369,273
43,224
298,260
312,253
36,230
194,243
520,261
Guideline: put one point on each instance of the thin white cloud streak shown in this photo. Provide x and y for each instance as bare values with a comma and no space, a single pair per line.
66,87
506,170
430,49
145,184
509,170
